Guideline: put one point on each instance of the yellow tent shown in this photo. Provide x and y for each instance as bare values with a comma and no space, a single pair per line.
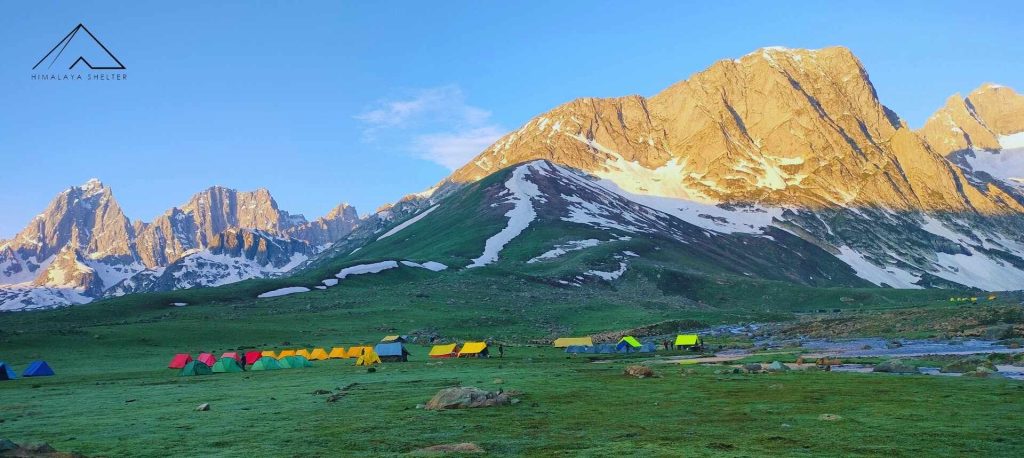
268,353
391,339
302,352
688,340
356,351
563,342
369,358
318,354
285,354
443,351
473,349
338,353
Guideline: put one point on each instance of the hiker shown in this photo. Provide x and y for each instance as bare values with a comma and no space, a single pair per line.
501,351
665,344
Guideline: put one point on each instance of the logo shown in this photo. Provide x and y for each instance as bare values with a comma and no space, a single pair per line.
79,51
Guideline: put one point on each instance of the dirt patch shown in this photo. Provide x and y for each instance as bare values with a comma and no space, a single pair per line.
464,447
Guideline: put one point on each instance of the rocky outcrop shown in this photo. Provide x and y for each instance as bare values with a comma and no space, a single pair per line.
332,227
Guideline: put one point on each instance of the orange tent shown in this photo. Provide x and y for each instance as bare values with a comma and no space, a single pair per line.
338,353
356,351
303,353
318,354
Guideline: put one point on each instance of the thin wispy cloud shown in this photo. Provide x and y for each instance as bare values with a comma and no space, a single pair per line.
436,124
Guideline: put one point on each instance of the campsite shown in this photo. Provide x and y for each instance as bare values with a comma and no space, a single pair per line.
116,370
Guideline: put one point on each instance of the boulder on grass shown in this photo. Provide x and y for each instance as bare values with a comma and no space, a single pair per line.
752,367
896,366
639,371
777,366
467,398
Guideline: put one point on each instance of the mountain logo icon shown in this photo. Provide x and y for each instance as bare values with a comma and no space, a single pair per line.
80,46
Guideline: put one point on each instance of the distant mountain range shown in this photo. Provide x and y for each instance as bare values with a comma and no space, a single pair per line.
83,247
782,164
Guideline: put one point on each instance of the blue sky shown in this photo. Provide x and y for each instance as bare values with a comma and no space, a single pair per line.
323,102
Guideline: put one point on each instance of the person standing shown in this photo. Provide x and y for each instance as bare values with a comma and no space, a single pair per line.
501,351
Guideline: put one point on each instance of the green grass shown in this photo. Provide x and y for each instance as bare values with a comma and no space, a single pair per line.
569,405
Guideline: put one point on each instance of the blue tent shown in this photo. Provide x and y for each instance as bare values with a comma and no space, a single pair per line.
604,348
6,373
648,348
392,352
576,349
38,369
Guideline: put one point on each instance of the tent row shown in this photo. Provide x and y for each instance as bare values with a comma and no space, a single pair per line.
627,344
34,369
468,350
229,365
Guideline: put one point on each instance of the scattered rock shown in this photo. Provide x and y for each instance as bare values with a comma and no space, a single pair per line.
968,364
639,371
499,381
752,367
203,407
982,372
465,447
321,392
896,366
777,366
337,396
829,417
371,370
466,398
893,344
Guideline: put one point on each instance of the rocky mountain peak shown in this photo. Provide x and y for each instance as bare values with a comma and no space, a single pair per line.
975,122
779,127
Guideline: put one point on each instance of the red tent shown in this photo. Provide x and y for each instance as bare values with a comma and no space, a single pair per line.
233,355
180,360
207,359
252,357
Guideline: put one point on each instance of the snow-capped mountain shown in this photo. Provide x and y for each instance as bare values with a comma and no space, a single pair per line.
83,246
791,148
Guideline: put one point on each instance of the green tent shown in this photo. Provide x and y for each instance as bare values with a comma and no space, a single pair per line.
290,362
265,363
194,368
303,361
227,365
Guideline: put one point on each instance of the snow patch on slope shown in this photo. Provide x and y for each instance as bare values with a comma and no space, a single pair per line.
522,192
429,265
362,269
406,223
284,291
564,248
1013,141
892,276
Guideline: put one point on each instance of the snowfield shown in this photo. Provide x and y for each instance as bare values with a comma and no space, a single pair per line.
284,291
522,192
892,276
